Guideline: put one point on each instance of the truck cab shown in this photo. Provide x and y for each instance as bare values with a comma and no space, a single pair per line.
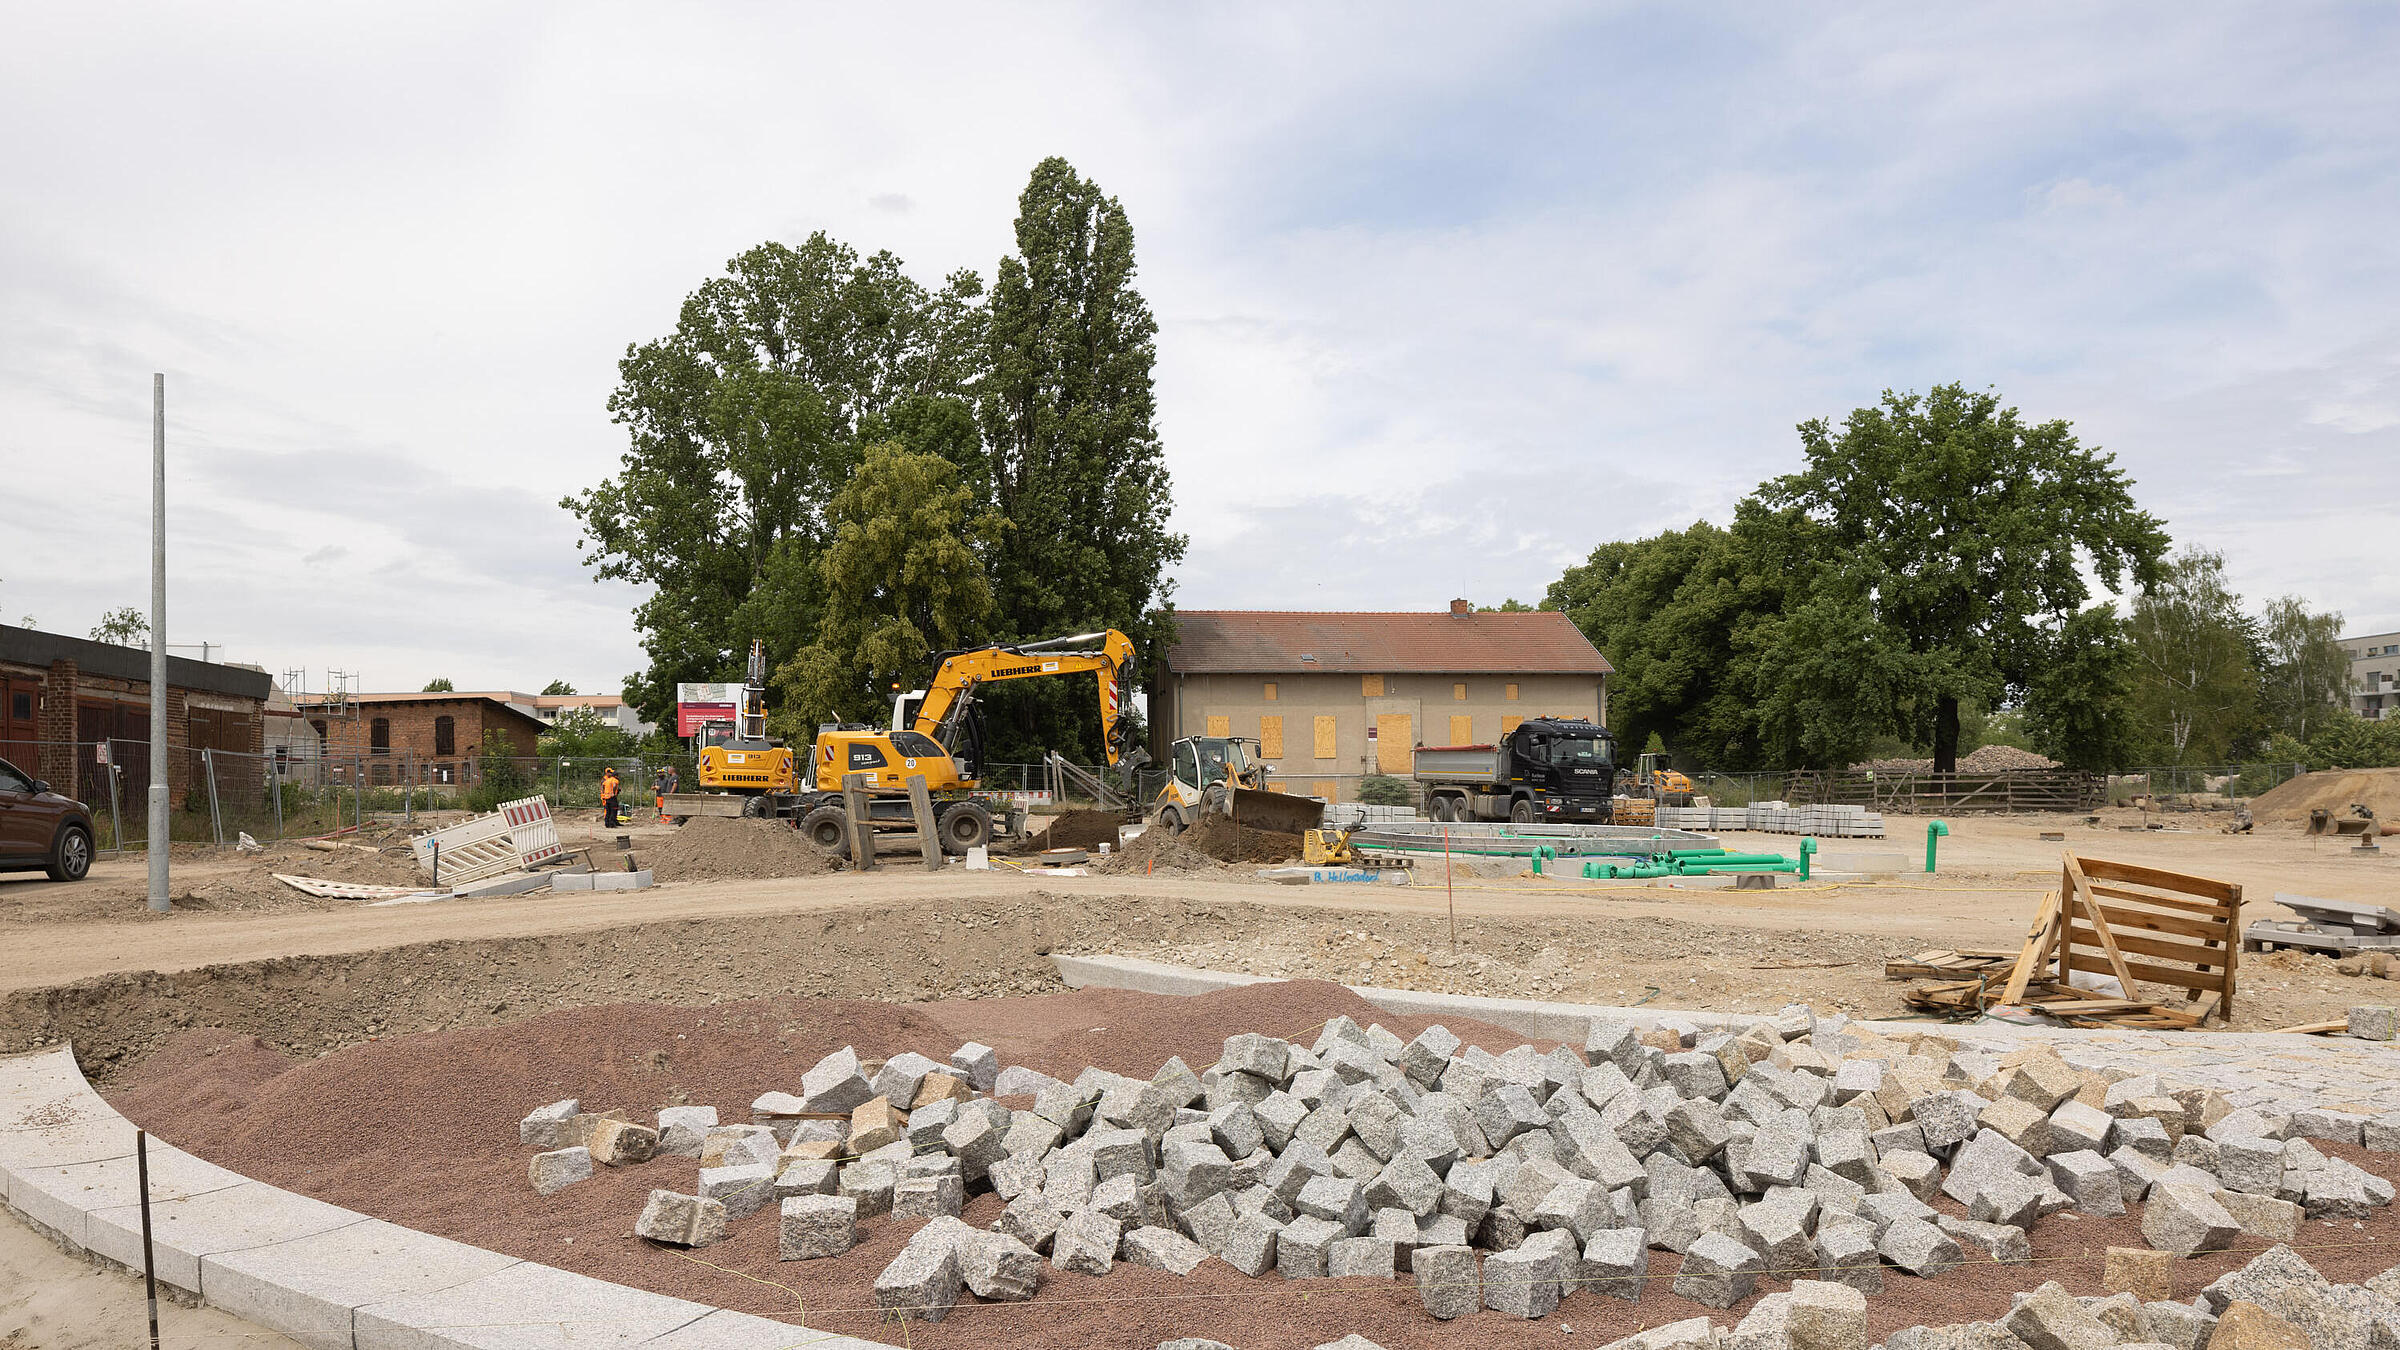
1557,769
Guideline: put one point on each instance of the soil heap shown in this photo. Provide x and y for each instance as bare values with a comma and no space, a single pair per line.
2334,790
1082,829
1227,841
1156,849
728,848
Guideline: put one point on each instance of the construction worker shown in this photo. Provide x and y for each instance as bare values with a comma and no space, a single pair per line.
661,784
609,787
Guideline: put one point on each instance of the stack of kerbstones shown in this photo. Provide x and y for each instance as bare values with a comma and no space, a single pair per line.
1798,1149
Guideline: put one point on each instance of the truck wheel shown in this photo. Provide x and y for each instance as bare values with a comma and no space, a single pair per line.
754,807
964,826
71,854
1439,808
1171,820
828,827
1522,812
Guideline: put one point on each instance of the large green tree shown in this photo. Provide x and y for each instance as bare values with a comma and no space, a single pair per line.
744,422
1076,469
901,581
2196,687
1672,613
1937,546
2304,681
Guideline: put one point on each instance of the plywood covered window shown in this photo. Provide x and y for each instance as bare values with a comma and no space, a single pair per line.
1462,730
1269,692
1370,686
1511,694
1323,787
1220,726
1509,723
1395,743
1270,738
1458,691
1324,738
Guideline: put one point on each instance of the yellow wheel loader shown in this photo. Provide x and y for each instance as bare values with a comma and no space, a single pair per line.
1225,776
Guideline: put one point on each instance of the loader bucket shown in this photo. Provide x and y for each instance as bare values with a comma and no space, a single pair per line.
1278,812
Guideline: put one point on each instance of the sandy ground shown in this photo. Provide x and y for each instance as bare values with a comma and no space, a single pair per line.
52,1301
422,1131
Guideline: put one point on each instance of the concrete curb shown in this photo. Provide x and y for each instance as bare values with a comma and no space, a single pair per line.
325,1276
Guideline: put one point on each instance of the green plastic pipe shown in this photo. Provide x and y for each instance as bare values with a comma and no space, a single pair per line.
1808,848
1736,858
1693,853
1932,832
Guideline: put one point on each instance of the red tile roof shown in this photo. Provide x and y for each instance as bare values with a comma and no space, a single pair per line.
1250,641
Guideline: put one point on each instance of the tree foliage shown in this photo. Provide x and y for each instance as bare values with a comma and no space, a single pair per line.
743,423
2195,687
440,684
900,581
1076,469
2304,680
125,626
1943,543
586,733
556,688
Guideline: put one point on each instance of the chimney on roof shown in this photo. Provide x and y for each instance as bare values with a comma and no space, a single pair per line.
1461,607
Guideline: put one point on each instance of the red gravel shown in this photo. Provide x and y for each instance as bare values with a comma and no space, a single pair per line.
422,1130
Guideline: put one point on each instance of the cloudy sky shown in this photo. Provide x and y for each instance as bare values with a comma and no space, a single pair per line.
1447,294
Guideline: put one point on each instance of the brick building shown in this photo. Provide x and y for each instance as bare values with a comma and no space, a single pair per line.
426,737
60,696
1332,697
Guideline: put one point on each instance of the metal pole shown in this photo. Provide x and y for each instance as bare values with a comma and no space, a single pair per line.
116,818
141,1166
358,792
158,644
275,782
216,817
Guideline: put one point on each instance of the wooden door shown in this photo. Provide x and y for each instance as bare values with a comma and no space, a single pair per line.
21,724
1395,743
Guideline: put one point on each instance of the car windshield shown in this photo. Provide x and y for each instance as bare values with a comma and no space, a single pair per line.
1579,752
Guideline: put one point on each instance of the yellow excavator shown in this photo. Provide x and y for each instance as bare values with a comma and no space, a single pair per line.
1226,776
936,732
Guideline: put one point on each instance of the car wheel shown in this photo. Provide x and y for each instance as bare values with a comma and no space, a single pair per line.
828,827
964,826
1522,812
71,854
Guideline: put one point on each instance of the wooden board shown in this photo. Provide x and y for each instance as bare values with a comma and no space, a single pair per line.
1945,964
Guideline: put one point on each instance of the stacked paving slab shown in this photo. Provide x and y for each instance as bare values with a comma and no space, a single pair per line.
1800,1150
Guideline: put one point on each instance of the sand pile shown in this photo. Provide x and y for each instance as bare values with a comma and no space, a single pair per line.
1082,829
2335,790
1156,849
729,848
1226,841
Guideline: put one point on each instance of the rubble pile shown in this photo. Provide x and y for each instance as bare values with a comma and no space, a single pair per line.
1799,1150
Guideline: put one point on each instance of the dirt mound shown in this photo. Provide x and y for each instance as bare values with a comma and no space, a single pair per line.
1226,841
729,848
1083,829
1156,849
2333,789
1984,759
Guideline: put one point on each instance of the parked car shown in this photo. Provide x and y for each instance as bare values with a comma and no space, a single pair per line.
39,829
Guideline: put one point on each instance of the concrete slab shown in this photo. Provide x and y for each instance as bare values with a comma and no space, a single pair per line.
572,881
621,881
250,1214
724,1330
308,1288
1147,977
63,1198
50,1117
507,883
524,1307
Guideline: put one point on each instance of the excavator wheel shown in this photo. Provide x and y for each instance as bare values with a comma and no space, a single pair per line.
963,826
754,807
1171,819
828,827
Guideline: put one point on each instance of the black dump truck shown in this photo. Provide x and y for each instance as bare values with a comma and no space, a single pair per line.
1561,769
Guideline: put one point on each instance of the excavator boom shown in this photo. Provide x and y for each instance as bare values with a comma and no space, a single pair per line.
952,692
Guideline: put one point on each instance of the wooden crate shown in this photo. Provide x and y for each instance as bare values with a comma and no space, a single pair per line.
2134,923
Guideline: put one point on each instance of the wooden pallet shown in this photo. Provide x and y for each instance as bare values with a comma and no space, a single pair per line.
1945,964
2100,912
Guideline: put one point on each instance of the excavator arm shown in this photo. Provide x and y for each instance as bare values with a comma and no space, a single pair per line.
952,691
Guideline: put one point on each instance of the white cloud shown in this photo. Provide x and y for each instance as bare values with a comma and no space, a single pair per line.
1444,298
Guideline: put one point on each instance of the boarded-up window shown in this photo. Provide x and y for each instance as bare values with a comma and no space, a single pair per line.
379,736
1270,738
1462,730
1269,694
1395,743
1459,691
1220,726
1274,787
1370,686
1323,787
1509,723
445,735
1511,695
1324,738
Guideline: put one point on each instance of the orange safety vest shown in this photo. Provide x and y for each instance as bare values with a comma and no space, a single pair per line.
608,787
